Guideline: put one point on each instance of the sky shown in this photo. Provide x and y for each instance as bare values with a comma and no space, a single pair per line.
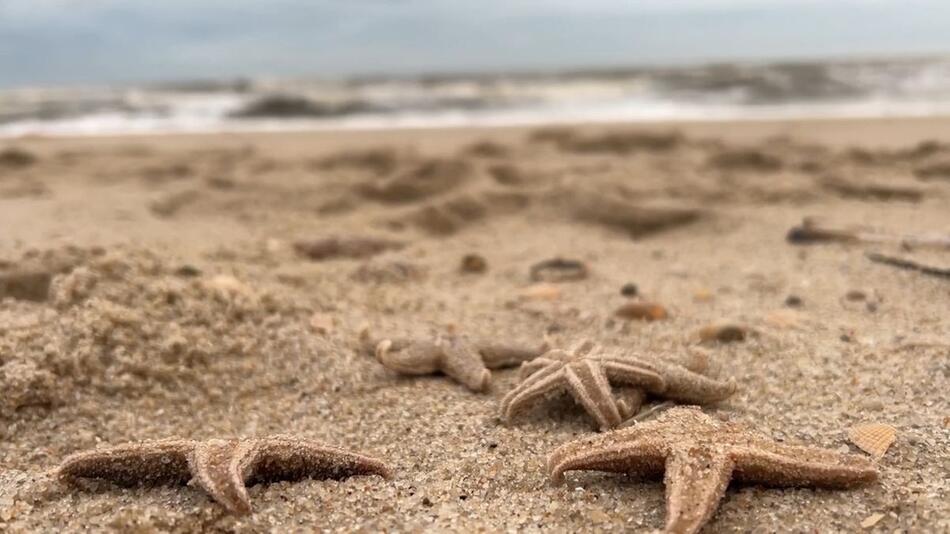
51,42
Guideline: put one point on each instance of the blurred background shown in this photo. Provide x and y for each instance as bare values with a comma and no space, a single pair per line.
117,67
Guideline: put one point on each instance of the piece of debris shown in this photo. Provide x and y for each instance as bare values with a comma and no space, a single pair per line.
629,290
793,301
872,520
558,270
873,438
345,247
642,311
541,291
723,332
473,264
908,264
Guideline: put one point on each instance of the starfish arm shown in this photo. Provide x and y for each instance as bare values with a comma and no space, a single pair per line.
281,458
409,357
683,385
219,468
462,362
634,375
696,479
632,450
149,462
629,402
589,386
534,388
530,367
774,464
497,356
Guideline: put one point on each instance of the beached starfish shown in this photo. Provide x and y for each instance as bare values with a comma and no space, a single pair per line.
220,467
587,371
700,455
462,360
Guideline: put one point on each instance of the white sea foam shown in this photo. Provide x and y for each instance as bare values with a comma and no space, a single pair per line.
713,92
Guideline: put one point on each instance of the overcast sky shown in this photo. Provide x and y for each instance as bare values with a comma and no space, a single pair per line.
93,41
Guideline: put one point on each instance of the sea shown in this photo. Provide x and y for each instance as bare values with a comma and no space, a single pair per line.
888,87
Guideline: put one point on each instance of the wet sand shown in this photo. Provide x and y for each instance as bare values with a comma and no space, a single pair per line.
151,288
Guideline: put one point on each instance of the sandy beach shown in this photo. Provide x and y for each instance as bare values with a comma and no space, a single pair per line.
176,286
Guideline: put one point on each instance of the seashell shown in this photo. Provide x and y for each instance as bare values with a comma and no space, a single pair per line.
873,438
559,270
643,311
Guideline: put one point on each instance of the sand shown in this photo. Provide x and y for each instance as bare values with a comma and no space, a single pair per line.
151,288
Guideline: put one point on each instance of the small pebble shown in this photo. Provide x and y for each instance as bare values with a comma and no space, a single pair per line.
855,295
793,301
723,332
629,290
473,264
188,271
643,311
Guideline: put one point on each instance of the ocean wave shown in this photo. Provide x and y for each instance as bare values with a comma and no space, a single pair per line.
725,91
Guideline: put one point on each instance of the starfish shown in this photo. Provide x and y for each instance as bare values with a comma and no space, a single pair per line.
462,360
587,371
220,467
700,455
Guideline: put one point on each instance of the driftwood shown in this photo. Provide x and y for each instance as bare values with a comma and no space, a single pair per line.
810,232
910,265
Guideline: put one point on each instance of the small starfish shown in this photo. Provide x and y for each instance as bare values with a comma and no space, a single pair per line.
220,467
587,371
700,456
462,360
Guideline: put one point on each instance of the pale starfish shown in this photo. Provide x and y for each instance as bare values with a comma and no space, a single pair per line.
464,361
220,467
700,455
587,371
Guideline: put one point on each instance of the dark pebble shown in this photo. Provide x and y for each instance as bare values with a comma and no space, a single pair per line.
855,295
473,263
793,301
188,271
629,290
